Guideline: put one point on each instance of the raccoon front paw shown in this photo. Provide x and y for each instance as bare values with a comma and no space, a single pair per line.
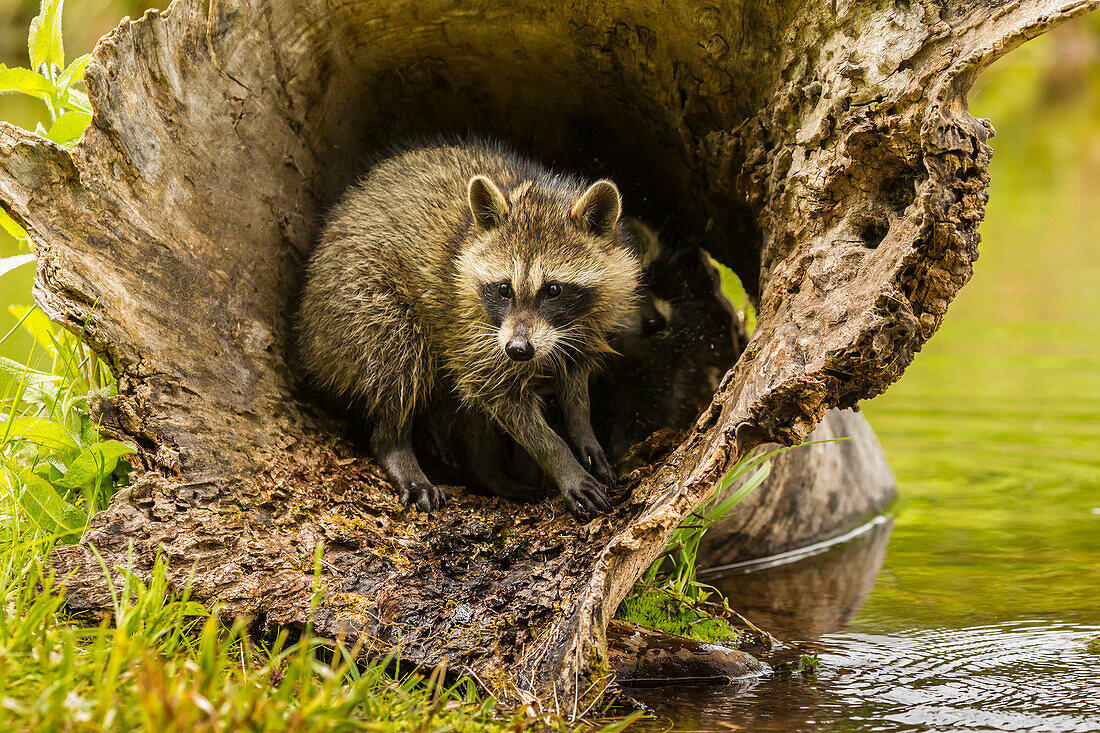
423,496
586,499
595,462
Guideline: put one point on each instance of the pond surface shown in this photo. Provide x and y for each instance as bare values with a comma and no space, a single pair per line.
889,661
975,612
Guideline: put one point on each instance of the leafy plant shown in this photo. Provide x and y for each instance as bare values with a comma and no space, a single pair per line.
55,464
56,85
50,80
669,597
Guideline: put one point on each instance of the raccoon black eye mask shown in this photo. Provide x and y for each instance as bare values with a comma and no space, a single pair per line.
560,304
447,282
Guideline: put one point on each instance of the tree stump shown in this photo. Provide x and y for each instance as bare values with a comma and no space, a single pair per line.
821,149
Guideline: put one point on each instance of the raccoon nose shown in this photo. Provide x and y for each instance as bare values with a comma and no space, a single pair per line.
519,349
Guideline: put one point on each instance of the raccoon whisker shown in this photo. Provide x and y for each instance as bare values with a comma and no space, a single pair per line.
566,355
554,358
573,343
487,330
570,340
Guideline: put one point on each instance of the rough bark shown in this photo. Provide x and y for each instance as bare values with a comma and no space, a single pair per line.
813,494
821,149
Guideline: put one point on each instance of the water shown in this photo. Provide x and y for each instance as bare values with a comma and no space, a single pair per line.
891,672
1019,676
975,611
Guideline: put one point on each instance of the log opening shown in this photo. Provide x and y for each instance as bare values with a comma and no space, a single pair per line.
622,99
821,149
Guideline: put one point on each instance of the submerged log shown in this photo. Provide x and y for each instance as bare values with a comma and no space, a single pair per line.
816,595
643,658
814,493
822,150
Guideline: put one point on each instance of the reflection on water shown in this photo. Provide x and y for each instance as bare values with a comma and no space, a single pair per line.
1009,676
814,596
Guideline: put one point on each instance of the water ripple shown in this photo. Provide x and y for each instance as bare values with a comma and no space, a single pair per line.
1018,676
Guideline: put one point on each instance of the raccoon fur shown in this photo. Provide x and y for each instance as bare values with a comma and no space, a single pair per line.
457,277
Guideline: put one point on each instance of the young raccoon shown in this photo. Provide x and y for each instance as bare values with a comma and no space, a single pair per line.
682,339
459,276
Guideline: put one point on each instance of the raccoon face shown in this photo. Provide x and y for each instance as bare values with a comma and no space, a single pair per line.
654,313
546,267
533,320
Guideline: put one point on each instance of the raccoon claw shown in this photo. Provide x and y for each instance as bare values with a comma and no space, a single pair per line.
586,500
423,496
595,462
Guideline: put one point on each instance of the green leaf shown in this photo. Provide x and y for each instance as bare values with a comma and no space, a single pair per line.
11,226
74,72
7,264
41,432
191,608
68,128
45,507
25,81
78,100
96,462
16,372
44,43
719,512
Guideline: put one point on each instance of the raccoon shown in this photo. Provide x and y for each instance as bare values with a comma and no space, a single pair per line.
678,341
455,276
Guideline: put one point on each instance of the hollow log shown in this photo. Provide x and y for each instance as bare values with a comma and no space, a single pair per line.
823,150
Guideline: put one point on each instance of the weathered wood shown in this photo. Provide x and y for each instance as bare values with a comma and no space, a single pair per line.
822,149
643,658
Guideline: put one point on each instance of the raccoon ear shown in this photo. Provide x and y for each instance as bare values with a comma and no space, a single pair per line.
644,241
598,208
487,203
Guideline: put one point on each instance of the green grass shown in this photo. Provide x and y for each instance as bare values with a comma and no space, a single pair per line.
669,597
166,663
168,666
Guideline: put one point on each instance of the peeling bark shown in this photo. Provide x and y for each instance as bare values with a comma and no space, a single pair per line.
821,149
